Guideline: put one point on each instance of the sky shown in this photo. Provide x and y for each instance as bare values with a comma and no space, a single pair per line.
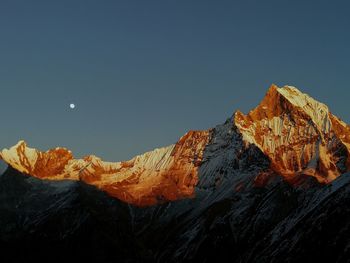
142,73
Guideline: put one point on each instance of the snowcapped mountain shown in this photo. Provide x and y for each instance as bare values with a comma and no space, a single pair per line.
272,185
169,173
297,135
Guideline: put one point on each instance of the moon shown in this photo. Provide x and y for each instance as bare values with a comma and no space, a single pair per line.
72,106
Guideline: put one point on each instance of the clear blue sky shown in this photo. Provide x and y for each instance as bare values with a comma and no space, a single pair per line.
142,73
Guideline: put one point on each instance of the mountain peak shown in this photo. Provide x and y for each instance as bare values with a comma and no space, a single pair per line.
297,134
167,173
288,99
31,161
292,135
317,111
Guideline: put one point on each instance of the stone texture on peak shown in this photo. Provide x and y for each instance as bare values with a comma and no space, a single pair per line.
298,135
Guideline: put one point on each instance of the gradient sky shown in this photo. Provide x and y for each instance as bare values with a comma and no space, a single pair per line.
142,73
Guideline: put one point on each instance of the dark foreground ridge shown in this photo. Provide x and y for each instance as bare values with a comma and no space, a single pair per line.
58,221
269,186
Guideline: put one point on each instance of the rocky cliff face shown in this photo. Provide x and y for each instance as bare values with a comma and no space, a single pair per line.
268,186
294,133
164,174
298,134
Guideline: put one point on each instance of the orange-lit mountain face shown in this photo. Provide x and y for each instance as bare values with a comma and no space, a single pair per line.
168,173
297,134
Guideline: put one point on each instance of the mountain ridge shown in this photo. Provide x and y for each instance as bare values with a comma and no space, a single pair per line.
297,134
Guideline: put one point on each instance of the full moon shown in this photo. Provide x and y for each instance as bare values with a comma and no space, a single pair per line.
72,105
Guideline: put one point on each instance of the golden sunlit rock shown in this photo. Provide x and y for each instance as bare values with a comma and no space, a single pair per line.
298,134
165,174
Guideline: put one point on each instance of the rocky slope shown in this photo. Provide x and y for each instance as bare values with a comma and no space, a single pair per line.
168,173
269,186
297,134
58,220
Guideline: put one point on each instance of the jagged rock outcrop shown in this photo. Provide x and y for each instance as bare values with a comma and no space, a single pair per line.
269,186
164,174
298,134
295,134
